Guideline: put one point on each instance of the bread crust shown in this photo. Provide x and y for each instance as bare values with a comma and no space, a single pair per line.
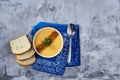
23,54
27,59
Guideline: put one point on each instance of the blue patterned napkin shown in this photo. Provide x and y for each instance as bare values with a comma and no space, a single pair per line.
57,64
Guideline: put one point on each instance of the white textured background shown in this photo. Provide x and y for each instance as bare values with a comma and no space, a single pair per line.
100,36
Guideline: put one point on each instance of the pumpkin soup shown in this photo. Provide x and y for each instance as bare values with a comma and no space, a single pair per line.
48,42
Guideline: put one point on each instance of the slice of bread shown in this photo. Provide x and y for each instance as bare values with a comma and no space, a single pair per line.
20,45
26,55
27,62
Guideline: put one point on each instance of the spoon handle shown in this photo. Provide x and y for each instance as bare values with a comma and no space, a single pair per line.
69,52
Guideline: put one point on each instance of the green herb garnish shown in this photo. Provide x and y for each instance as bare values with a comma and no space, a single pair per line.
47,42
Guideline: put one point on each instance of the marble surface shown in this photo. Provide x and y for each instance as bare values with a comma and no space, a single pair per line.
100,36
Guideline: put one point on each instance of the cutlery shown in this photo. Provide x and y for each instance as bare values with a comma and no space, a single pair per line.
70,31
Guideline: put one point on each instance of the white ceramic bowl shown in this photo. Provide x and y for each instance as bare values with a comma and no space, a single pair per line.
48,56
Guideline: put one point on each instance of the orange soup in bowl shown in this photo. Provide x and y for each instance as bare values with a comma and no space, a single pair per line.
48,42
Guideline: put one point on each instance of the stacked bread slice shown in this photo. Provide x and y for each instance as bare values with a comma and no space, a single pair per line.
22,49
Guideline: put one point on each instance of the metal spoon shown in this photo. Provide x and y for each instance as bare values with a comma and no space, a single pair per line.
70,31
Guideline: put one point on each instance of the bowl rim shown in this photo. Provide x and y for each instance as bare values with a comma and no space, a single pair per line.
35,38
